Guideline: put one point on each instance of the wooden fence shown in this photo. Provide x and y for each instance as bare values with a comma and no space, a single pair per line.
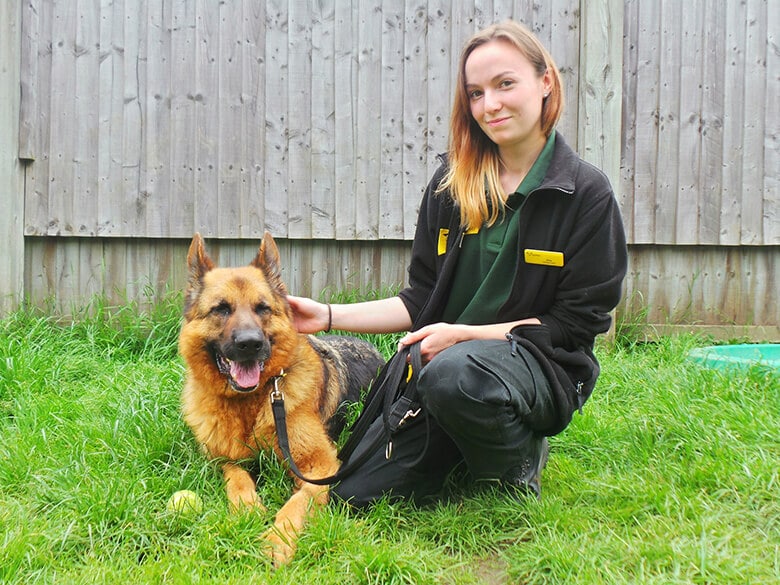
143,121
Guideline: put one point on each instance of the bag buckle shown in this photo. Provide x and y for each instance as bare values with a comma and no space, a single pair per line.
407,415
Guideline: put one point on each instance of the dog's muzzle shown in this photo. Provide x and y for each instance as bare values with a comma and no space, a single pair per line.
242,359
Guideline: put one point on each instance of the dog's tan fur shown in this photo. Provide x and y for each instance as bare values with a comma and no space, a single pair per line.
223,304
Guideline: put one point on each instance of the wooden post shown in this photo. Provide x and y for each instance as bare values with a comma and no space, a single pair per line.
11,170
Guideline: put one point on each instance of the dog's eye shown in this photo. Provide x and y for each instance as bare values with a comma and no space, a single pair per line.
262,309
223,309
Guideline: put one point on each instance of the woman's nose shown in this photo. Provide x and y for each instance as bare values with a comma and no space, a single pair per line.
492,103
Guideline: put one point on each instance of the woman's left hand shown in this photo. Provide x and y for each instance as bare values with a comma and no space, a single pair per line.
436,338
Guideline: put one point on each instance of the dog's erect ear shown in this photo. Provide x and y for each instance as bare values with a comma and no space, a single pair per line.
198,263
267,260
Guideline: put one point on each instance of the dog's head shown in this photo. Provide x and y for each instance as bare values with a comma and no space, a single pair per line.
236,319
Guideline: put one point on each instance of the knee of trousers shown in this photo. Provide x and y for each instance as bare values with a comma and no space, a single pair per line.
453,381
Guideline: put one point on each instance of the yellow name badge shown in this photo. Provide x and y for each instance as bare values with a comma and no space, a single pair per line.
443,235
543,257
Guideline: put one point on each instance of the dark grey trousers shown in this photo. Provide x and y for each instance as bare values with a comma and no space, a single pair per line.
486,407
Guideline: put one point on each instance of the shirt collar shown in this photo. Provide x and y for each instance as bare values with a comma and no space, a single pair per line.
538,171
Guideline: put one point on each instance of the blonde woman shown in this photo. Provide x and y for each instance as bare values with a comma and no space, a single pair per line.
518,259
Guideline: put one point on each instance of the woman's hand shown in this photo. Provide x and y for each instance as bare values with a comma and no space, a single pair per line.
309,316
436,338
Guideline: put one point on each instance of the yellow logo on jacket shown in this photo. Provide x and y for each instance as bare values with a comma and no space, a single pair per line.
444,233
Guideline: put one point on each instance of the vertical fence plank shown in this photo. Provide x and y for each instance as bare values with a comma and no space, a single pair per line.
207,106
345,107
63,122
183,115
752,192
563,43
36,26
29,108
686,213
415,87
86,49
231,155
772,130
712,115
441,82
647,82
733,124
156,130
253,99
11,169
111,206
368,142
601,72
625,189
391,214
136,203
276,116
323,98
668,122
299,121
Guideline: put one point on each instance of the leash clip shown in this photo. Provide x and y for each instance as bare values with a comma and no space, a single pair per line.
276,393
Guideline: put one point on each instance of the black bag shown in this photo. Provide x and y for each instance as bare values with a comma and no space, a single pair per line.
394,391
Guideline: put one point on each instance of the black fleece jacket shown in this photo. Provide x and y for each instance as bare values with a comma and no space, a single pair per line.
573,211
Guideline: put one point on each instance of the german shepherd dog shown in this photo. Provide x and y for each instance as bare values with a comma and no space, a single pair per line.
238,341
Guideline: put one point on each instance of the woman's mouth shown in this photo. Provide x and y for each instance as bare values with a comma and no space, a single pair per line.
497,121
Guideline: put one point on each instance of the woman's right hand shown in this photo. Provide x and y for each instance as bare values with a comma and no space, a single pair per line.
309,316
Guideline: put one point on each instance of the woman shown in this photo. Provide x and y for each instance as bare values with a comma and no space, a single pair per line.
515,235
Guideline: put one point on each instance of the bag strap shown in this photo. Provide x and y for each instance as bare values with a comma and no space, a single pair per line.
397,412
383,392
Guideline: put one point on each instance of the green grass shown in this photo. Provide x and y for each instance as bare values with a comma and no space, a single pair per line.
670,476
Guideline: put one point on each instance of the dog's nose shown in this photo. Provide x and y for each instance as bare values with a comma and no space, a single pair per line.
248,343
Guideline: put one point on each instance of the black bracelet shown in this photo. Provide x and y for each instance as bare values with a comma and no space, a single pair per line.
330,319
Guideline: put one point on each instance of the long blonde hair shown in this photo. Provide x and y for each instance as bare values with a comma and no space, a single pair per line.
473,157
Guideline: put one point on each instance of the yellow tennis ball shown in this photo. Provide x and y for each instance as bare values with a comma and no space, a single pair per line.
185,502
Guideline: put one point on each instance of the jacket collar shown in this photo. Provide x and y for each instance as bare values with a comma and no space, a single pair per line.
563,169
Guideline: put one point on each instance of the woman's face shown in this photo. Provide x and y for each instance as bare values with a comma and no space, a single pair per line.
505,94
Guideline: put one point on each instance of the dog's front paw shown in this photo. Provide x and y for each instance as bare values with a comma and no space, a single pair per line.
245,503
241,491
280,547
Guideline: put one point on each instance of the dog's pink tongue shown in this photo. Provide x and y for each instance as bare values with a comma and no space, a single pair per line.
246,375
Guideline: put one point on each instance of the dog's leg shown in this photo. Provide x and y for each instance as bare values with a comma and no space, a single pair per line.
240,487
291,519
315,455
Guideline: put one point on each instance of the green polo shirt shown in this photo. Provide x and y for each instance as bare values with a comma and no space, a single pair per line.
488,258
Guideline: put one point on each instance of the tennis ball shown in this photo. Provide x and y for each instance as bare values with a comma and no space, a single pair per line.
185,502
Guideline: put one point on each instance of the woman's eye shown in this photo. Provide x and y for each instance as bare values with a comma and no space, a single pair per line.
475,94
